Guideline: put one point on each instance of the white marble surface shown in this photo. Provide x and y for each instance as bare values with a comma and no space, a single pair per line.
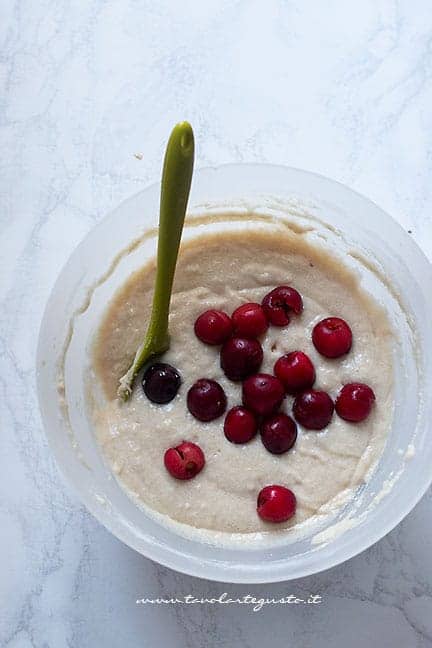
338,87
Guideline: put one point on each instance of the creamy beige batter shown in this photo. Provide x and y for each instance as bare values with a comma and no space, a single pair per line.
222,271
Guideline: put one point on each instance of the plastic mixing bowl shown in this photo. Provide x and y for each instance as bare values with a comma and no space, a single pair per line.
391,267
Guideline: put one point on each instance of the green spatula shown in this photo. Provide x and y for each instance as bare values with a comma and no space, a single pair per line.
176,182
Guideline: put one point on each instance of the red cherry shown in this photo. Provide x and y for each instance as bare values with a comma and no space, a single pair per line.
355,402
276,503
184,461
241,357
296,371
240,425
280,303
313,409
279,433
161,382
213,327
249,321
332,337
206,400
263,394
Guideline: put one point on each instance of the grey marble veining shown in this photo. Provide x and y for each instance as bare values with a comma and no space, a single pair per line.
341,88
